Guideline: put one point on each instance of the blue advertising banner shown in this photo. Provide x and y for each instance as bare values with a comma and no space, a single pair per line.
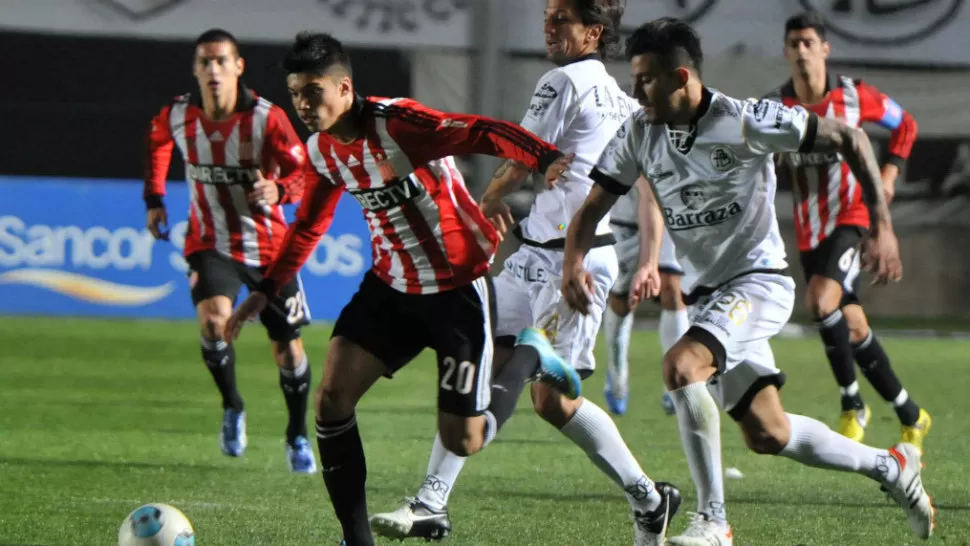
79,247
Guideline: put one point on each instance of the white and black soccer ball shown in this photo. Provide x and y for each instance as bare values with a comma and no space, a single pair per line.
156,524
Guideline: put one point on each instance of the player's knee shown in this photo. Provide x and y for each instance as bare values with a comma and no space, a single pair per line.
552,406
670,295
288,354
213,325
332,403
463,436
686,363
767,440
619,304
858,325
822,297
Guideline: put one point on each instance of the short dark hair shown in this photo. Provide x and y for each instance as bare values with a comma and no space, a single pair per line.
804,21
316,53
607,13
674,42
216,35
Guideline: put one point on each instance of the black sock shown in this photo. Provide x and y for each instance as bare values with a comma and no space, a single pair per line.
874,362
508,384
838,348
296,391
220,358
345,474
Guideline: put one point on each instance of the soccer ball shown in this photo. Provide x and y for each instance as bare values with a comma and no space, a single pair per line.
156,524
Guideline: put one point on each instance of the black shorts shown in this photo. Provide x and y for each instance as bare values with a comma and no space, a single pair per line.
837,258
213,274
457,324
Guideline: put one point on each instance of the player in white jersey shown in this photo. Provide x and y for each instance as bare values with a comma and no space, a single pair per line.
709,159
577,106
618,318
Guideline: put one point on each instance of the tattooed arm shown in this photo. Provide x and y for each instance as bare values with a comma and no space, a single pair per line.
856,150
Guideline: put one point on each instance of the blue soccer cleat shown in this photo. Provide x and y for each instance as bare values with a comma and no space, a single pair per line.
616,397
616,404
553,369
232,437
667,403
299,455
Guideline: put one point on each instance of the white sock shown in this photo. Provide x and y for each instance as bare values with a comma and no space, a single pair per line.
699,420
593,430
443,470
814,444
617,330
673,324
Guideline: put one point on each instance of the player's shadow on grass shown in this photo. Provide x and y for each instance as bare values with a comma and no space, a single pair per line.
81,463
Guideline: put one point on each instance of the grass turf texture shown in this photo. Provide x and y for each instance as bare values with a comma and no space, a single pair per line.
98,417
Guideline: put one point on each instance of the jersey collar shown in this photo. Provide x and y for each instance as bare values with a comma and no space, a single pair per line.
589,57
831,82
245,99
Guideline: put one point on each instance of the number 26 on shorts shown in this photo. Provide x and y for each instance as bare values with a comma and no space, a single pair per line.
736,309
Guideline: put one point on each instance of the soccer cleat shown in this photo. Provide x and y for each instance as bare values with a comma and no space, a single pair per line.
916,433
553,369
299,455
703,531
413,520
667,403
650,529
853,423
616,404
616,394
232,437
908,490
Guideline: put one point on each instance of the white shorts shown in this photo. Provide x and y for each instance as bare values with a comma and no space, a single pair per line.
527,293
742,316
628,253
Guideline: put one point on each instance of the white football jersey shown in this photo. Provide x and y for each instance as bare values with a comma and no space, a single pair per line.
714,181
578,108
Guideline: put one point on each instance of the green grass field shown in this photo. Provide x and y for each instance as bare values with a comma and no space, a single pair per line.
97,417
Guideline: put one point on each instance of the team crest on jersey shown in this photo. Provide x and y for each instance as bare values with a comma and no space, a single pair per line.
723,158
542,100
761,109
693,196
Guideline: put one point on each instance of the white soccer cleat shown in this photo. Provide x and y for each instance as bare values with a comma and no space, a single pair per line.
413,520
908,490
703,531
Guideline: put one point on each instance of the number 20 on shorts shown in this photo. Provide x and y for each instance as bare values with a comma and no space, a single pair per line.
457,377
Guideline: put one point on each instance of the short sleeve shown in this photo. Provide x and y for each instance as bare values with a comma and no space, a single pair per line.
771,127
618,167
547,112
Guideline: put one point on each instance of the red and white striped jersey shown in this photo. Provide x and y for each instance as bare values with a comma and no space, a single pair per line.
427,233
825,190
221,163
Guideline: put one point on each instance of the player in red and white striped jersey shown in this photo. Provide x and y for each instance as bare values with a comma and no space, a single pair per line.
832,219
432,246
243,161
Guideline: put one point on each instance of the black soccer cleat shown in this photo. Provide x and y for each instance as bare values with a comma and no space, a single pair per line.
651,528
413,520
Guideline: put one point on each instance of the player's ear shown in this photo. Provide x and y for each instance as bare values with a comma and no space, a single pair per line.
345,86
826,48
682,75
594,32
240,66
